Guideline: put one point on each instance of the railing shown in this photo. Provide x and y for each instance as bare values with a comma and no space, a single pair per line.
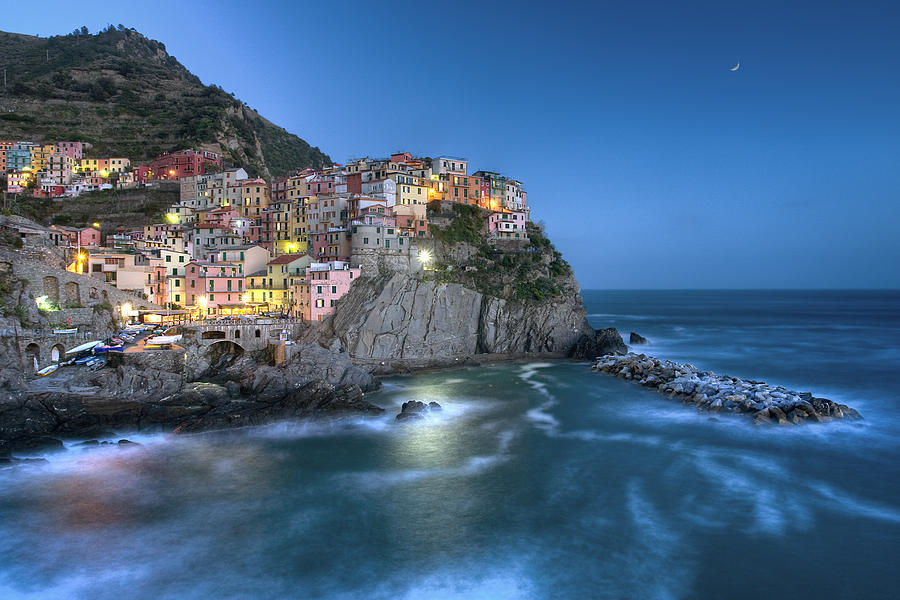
264,321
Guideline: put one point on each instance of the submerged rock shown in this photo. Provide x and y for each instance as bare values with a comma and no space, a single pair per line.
710,392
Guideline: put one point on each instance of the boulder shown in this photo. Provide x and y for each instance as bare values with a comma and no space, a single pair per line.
636,338
415,410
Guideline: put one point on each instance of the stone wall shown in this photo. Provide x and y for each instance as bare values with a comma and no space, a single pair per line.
394,260
171,361
64,287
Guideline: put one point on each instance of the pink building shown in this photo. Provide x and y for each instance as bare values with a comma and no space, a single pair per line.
325,284
79,236
210,287
73,149
335,244
507,225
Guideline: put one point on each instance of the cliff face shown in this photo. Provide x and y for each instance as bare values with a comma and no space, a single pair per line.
402,319
477,298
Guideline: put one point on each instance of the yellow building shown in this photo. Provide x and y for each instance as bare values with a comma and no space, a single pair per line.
102,167
274,286
412,190
255,197
40,156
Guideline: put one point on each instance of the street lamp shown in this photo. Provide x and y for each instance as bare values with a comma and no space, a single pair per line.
424,258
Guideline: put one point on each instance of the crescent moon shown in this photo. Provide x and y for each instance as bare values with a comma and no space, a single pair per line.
736,67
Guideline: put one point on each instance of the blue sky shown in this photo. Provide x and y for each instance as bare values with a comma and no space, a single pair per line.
651,163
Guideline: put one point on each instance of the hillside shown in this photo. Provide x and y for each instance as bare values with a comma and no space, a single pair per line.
124,94
114,210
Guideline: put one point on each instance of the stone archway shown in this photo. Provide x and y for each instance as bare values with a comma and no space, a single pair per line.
57,353
32,357
73,293
51,288
223,354
213,335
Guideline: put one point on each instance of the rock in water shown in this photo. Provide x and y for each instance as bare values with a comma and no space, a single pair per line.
603,341
713,393
414,410
636,338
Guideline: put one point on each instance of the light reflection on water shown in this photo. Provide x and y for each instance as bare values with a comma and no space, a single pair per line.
535,481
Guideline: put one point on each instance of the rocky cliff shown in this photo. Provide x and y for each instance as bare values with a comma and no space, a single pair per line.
408,322
478,299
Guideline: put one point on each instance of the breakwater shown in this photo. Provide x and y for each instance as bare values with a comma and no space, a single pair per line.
711,392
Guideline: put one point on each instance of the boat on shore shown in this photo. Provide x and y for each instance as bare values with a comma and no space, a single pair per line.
86,347
47,370
163,341
108,348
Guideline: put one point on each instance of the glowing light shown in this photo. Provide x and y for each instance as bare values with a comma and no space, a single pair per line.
172,218
44,303
202,302
291,247
172,172
424,257
245,298
95,224
126,310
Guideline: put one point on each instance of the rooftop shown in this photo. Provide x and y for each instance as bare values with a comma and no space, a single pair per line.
285,259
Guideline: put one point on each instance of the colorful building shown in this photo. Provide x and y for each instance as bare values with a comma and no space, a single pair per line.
184,163
214,288
103,167
507,226
18,157
72,149
316,296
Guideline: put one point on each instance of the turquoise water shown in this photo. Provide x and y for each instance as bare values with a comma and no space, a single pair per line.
538,480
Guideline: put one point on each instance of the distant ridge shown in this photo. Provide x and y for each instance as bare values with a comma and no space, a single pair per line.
123,93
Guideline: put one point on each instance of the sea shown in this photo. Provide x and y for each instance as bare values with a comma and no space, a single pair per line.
536,480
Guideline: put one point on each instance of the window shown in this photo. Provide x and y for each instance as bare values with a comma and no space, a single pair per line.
320,303
177,283
181,259
333,303
334,289
365,240
168,258
177,297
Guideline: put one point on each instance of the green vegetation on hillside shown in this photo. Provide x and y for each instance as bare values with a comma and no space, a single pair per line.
525,272
126,209
126,96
